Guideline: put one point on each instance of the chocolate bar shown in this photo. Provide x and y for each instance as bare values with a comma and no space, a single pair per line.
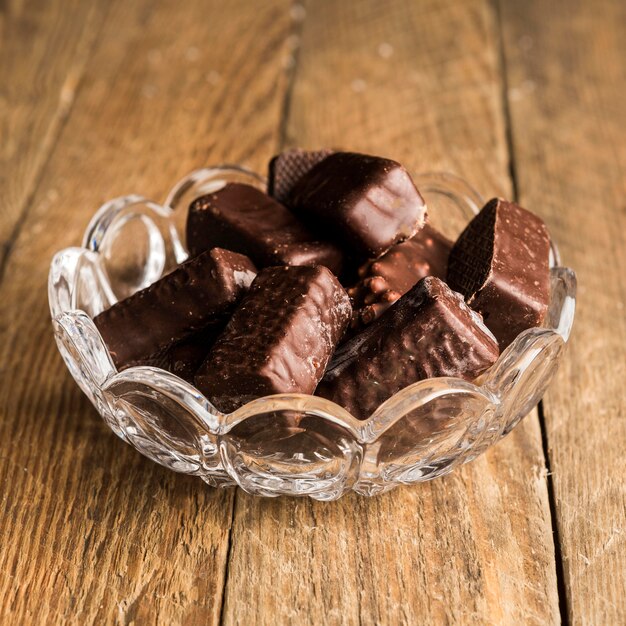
185,357
198,293
500,264
279,339
386,279
368,203
288,167
429,332
244,219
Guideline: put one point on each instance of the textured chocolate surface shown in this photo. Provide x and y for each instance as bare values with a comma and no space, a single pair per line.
279,339
198,293
500,264
386,279
288,167
185,357
429,332
368,203
241,218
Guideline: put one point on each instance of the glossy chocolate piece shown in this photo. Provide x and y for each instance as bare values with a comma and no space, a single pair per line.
500,264
199,293
386,279
279,339
288,167
429,332
367,203
242,218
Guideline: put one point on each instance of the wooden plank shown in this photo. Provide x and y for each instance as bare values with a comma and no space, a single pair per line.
43,49
92,532
418,82
567,70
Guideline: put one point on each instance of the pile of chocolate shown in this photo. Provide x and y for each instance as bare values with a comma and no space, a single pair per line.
333,283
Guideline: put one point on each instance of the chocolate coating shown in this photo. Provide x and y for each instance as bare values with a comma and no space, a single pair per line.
288,167
280,338
429,332
385,279
198,293
185,357
500,264
368,203
242,218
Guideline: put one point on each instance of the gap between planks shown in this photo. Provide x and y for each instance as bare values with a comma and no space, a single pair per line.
298,16
506,111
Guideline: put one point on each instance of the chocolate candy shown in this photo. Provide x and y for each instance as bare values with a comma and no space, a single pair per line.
185,357
279,339
500,263
368,203
199,293
385,279
242,218
429,332
288,167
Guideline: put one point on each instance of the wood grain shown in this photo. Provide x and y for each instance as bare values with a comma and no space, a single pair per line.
418,82
43,50
566,64
90,531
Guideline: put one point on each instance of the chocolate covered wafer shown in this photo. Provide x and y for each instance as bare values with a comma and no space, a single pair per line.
288,167
242,218
500,264
429,332
384,280
199,293
368,203
279,339
185,357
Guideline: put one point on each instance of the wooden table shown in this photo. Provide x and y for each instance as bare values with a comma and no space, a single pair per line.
105,97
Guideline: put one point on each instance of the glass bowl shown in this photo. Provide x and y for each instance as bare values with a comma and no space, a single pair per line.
285,444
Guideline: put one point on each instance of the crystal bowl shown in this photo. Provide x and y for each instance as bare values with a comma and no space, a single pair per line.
285,444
